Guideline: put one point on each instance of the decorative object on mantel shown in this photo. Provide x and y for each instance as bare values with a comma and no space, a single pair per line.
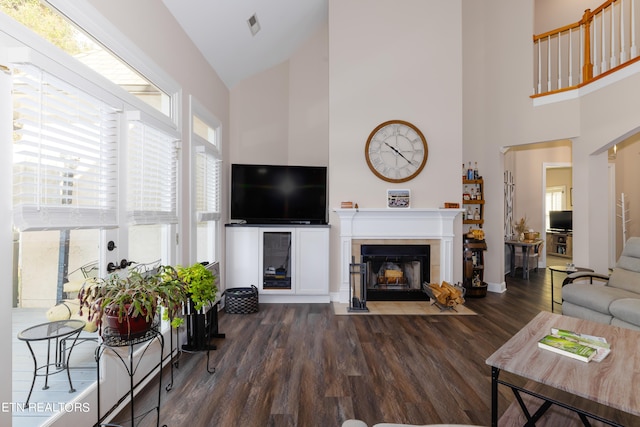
346,205
451,205
396,151
399,199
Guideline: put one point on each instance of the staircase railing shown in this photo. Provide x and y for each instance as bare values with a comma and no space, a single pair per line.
601,42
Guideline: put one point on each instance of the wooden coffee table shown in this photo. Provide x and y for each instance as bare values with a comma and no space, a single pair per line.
610,383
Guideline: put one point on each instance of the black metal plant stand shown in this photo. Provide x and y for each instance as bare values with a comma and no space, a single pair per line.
112,344
201,327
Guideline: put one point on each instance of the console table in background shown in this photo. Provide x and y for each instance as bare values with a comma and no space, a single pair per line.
606,391
526,247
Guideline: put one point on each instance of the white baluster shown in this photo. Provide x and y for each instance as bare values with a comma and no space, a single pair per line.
613,36
603,67
623,46
539,67
634,48
549,63
570,59
581,52
559,61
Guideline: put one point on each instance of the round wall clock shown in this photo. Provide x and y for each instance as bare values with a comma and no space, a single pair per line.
396,151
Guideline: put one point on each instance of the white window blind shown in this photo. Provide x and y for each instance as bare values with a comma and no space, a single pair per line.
151,187
64,154
207,182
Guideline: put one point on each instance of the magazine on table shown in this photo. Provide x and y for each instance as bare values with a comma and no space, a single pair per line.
578,346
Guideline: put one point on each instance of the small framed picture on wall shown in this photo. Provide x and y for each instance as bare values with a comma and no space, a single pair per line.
398,199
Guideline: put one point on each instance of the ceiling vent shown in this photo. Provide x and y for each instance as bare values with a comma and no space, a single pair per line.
254,25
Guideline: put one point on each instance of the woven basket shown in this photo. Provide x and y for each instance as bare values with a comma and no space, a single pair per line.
241,300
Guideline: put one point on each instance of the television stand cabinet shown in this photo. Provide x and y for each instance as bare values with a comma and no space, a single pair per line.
560,243
286,263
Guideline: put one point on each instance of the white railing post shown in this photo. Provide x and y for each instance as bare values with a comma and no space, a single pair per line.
634,48
559,61
539,68
613,37
570,59
603,67
580,79
623,46
549,63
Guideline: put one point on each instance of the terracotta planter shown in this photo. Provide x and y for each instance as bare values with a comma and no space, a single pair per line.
128,328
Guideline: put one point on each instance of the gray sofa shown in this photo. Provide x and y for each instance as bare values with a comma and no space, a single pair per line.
613,299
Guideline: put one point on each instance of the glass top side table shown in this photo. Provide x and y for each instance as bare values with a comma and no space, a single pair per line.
562,269
51,332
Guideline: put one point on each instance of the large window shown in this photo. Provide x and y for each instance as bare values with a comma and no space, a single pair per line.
65,154
207,165
41,18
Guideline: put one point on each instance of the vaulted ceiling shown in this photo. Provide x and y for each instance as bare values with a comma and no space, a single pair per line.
220,30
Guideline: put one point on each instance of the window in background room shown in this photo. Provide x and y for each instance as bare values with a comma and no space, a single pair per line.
207,163
556,200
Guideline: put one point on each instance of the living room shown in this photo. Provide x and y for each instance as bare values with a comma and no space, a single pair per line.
468,93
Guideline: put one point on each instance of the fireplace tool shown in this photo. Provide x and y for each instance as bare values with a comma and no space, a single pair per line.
357,273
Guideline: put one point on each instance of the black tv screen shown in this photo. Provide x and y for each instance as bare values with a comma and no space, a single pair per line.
561,220
271,194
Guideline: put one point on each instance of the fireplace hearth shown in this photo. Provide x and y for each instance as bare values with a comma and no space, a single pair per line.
396,272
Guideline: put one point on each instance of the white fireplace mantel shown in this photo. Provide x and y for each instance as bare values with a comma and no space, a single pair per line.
389,223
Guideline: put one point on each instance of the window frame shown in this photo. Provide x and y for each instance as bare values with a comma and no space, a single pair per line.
199,145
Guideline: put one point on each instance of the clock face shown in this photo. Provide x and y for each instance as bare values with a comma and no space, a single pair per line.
396,151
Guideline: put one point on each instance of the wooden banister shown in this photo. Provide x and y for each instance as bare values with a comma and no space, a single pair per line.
587,67
562,57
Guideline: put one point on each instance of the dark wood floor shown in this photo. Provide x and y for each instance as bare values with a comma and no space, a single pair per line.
301,365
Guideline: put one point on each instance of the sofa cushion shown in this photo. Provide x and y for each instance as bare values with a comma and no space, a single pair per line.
627,310
594,297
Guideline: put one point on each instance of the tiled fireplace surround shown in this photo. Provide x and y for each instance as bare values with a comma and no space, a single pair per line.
433,227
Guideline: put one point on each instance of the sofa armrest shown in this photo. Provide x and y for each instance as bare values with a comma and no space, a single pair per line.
585,274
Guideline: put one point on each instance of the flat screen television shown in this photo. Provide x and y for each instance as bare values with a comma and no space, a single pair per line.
272,194
561,220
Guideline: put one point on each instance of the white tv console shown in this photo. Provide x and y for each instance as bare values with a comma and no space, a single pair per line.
286,263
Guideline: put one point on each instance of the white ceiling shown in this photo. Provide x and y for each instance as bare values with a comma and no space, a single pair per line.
219,29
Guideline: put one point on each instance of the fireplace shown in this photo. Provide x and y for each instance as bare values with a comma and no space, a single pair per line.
395,271
416,226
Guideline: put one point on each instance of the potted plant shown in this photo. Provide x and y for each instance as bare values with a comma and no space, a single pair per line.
200,286
128,305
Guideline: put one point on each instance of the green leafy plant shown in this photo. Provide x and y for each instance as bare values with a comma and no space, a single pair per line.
136,295
200,284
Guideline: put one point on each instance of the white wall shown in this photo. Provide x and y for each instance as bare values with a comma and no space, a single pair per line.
280,116
552,14
394,60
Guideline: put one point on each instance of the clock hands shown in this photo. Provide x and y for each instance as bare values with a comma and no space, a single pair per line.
398,152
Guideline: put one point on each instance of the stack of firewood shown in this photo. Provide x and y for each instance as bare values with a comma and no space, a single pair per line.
446,294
